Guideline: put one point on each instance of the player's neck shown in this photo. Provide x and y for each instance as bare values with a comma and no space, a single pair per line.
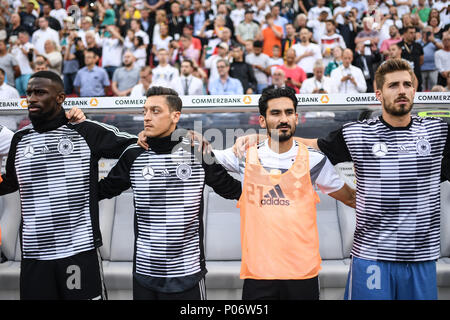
280,147
397,121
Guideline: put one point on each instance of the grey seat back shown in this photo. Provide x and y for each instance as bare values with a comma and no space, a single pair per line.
330,241
122,237
222,228
10,223
445,219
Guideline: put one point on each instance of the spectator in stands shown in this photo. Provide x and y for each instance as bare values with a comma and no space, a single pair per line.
442,60
52,22
276,59
87,26
315,12
43,34
164,73
222,10
54,56
91,80
145,81
260,63
199,17
329,41
340,11
349,29
6,91
247,29
290,39
22,51
348,78
126,77
306,52
277,18
9,64
412,51
295,75
91,43
136,26
278,79
139,52
15,26
58,12
429,71
368,34
243,71
394,38
366,63
40,63
211,62
73,54
176,20
238,14
359,6
112,48
186,84
272,35
162,41
336,62
435,23
318,26
319,83
27,18
224,84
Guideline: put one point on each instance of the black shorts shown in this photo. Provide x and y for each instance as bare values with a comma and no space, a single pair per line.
307,289
79,277
198,292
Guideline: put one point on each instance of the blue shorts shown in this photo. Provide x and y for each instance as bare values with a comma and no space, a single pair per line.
386,280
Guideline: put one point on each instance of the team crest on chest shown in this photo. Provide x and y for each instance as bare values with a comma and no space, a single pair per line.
423,147
184,171
65,146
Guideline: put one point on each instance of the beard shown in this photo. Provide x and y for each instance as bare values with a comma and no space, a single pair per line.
283,135
400,110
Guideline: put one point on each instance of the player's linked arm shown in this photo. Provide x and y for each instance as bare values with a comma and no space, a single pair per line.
346,195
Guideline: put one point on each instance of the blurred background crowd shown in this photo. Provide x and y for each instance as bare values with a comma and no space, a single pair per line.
217,47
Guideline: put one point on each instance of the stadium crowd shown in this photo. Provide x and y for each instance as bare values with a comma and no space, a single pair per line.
121,47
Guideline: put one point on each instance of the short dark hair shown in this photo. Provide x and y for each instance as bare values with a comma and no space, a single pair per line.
273,93
389,66
172,98
258,44
52,76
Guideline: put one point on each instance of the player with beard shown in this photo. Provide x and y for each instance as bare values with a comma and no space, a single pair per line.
54,165
279,236
399,162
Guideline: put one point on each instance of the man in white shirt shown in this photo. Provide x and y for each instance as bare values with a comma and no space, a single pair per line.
187,84
348,78
329,41
164,73
314,12
260,63
442,59
306,52
20,51
43,34
211,62
145,82
319,83
112,43
6,91
59,13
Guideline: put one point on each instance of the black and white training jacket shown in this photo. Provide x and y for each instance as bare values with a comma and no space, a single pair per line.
168,182
55,168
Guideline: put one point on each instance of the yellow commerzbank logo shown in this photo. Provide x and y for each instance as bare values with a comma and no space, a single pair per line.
247,100
23,103
93,102
324,99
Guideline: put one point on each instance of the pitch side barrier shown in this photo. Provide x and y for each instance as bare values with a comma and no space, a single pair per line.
236,103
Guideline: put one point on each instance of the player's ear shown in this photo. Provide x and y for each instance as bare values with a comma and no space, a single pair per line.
262,122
